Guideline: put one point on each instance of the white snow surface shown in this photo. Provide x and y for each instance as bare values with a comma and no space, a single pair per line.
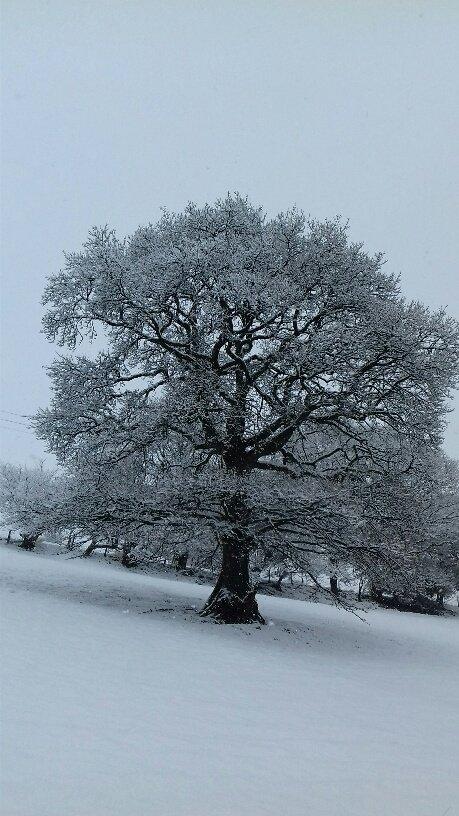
118,700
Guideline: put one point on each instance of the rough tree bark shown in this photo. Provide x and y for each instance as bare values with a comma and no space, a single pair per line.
233,598
334,584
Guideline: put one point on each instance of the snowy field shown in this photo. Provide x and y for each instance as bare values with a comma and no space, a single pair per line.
119,701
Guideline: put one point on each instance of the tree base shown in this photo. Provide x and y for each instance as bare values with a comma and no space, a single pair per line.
28,542
420,604
227,607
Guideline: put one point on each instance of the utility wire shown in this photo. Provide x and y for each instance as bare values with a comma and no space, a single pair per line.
14,413
15,428
14,422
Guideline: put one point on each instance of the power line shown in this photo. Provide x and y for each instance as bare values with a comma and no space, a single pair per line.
14,413
14,422
25,429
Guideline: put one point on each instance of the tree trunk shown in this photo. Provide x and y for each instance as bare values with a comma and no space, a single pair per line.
28,541
233,599
128,559
8,539
334,584
361,585
281,577
440,598
376,594
180,560
90,549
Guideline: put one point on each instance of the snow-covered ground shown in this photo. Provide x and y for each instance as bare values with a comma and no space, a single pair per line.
118,700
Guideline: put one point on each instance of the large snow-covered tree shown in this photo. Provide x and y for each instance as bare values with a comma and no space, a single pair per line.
254,364
30,501
413,516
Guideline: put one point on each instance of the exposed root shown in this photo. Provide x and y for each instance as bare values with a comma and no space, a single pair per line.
227,607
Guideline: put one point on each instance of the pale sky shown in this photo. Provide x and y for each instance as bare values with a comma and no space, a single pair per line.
114,109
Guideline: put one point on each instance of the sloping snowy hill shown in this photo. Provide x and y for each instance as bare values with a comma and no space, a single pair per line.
119,701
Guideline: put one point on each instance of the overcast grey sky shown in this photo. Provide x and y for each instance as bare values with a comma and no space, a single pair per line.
114,109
